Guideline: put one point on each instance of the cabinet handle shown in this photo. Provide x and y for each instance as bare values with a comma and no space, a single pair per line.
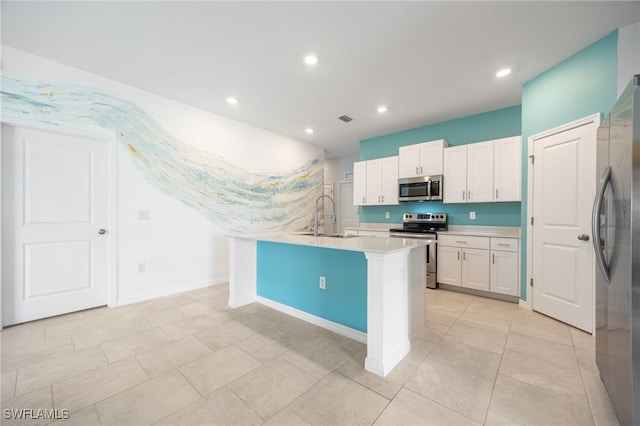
464,255
493,258
378,198
461,242
421,172
496,194
417,170
504,244
468,195
458,254
363,200
463,192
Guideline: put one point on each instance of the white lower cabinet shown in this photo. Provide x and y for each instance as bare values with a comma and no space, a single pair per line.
504,266
463,261
479,263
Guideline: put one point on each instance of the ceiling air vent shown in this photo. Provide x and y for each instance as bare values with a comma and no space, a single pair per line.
345,118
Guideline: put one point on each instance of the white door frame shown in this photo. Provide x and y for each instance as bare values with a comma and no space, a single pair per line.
595,118
112,179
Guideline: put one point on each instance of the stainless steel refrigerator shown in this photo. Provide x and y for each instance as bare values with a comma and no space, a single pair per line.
616,240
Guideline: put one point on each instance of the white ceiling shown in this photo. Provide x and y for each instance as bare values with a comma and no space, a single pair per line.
428,61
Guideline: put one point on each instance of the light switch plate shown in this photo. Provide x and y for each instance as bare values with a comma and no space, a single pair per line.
472,215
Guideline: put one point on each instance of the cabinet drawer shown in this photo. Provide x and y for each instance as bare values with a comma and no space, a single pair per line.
504,244
463,241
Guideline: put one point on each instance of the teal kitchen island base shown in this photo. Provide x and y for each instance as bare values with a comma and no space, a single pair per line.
374,287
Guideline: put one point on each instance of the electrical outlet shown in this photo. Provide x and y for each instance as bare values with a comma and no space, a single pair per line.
142,267
387,215
472,215
323,283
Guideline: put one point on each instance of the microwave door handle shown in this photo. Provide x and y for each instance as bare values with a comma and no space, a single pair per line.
595,224
429,189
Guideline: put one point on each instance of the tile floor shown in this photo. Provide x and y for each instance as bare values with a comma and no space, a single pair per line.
188,359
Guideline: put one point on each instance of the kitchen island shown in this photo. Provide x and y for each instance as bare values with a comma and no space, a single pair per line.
374,286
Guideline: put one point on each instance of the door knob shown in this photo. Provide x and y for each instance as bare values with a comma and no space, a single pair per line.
102,231
583,237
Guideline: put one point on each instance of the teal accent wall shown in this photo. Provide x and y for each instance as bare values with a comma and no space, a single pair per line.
582,85
496,124
289,274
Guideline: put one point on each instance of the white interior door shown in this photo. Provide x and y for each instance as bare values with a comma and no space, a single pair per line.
564,187
55,194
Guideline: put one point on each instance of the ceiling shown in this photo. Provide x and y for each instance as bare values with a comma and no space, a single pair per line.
427,61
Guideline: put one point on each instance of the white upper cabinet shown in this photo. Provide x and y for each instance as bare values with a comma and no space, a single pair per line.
480,172
360,183
375,182
483,172
507,169
423,159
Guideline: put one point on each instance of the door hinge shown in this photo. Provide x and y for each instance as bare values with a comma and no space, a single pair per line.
531,282
533,157
531,220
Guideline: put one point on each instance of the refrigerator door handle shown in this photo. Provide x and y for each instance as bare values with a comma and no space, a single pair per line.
595,224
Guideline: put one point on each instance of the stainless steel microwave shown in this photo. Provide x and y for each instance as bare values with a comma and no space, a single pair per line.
424,188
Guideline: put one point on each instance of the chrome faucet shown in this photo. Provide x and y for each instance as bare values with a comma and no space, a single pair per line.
315,215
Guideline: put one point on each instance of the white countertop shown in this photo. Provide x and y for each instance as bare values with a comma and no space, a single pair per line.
363,244
468,230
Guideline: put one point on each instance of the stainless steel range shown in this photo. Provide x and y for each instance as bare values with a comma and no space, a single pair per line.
424,226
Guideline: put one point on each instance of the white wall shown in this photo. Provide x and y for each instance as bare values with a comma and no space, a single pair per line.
335,168
183,248
628,54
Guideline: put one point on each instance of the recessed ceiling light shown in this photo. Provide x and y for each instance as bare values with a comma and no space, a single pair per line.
311,59
231,100
503,72
309,130
382,109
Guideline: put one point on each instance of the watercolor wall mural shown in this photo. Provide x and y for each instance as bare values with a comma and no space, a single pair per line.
228,195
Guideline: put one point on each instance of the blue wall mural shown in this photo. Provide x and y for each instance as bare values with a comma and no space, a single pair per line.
228,195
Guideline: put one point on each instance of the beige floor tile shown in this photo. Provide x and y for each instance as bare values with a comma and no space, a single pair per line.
387,386
603,413
172,355
173,301
268,344
299,328
132,345
53,321
582,340
149,402
350,345
336,400
69,328
218,369
8,380
587,360
465,393
433,331
287,417
469,359
496,419
101,334
543,373
195,309
129,313
32,354
420,348
55,370
447,300
491,322
19,337
528,404
272,386
485,305
478,337
543,349
222,407
85,417
410,408
225,334
441,316
317,356
541,328
189,326
85,390
40,399
158,319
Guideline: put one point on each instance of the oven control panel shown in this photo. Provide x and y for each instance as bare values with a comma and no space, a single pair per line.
424,217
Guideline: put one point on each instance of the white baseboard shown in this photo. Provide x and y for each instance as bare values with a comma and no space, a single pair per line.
343,330
525,304
170,292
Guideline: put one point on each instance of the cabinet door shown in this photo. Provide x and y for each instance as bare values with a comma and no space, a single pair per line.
360,183
507,169
475,269
374,182
409,161
480,172
389,184
504,272
431,157
448,266
455,175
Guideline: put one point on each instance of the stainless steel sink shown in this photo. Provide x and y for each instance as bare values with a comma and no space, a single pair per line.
325,235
